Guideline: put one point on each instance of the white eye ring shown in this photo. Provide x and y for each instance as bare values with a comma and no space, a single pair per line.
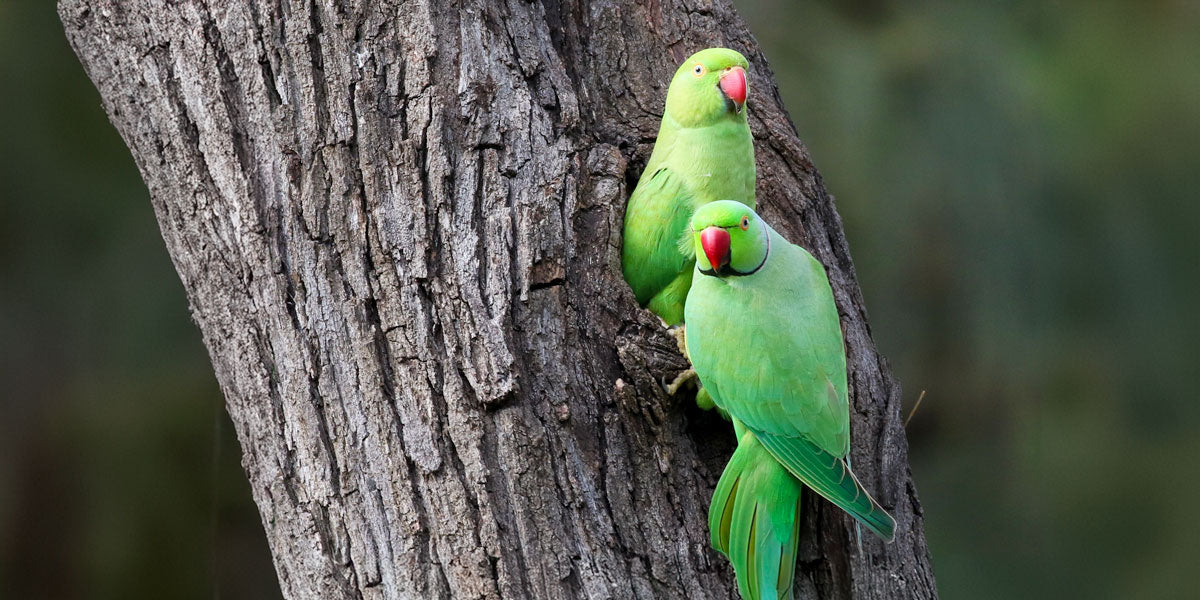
698,70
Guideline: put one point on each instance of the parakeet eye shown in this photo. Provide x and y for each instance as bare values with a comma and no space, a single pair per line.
699,70
745,224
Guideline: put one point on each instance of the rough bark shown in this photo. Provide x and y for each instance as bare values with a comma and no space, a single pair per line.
398,225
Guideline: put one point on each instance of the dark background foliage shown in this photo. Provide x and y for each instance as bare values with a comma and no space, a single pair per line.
1018,182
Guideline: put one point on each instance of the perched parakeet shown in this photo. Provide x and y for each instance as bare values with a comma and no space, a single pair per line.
764,337
703,153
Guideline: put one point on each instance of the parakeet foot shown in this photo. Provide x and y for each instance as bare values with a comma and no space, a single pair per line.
705,401
680,381
679,332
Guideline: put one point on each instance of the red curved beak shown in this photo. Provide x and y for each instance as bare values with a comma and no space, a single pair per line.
733,84
715,242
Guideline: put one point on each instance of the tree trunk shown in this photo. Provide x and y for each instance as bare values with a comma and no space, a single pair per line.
398,225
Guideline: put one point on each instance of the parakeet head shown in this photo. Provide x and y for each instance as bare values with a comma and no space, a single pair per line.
709,86
731,240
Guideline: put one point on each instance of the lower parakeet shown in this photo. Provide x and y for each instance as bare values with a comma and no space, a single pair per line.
764,336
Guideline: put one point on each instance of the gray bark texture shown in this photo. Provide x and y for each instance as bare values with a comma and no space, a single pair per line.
398,224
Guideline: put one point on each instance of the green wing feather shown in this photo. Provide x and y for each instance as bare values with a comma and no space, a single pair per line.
655,220
754,519
830,477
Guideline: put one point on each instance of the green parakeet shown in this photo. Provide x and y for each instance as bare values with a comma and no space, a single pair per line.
703,153
764,337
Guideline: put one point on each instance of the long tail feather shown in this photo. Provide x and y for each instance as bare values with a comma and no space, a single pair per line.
754,519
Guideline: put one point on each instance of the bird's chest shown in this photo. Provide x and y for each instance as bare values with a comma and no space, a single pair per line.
718,312
720,165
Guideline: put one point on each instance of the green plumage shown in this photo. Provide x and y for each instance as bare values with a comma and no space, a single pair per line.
764,336
704,152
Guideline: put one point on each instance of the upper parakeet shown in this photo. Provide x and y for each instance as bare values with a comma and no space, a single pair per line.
763,335
704,152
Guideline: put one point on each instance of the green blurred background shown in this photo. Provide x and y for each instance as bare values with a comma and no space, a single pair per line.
1018,182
